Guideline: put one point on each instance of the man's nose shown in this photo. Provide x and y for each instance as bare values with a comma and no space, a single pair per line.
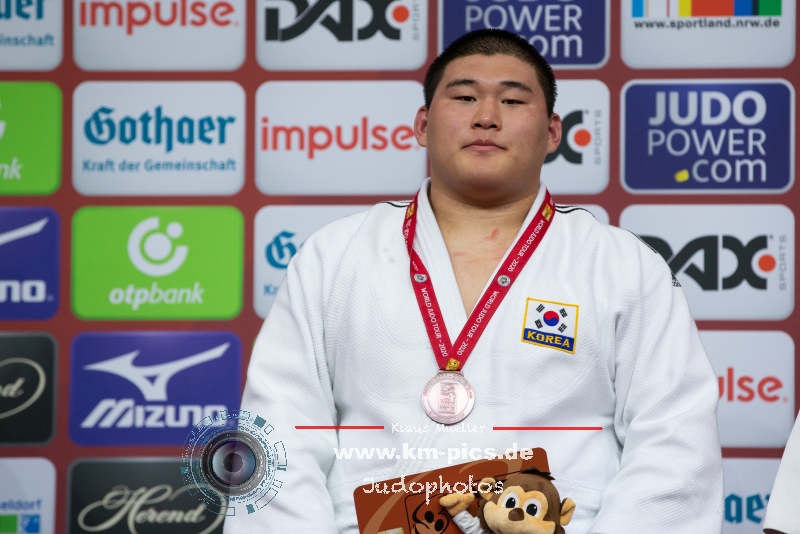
487,116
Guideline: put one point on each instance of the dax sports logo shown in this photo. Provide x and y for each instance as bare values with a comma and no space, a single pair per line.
112,35
741,266
342,34
699,136
580,163
551,324
29,258
568,33
150,387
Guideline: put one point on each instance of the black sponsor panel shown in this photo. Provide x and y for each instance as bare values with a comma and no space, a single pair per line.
135,496
27,394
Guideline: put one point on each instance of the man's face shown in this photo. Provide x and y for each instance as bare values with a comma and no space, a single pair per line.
487,126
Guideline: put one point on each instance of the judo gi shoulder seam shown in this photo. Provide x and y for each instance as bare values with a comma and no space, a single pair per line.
566,209
397,203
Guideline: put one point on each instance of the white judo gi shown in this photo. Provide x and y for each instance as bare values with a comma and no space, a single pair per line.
345,344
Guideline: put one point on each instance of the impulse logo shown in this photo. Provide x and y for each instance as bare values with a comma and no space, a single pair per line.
568,33
708,136
343,34
29,250
149,388
362,136
159,34
138,14
331,136
756,395
740,267
165,138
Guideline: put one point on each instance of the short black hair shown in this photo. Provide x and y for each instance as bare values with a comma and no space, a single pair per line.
490,42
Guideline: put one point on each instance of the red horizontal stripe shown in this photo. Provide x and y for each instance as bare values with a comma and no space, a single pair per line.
339,427
547,428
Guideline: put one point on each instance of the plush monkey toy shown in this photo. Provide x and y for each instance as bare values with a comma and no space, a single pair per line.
528,504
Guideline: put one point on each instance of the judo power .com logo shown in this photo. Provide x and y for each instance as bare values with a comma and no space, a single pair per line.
234,468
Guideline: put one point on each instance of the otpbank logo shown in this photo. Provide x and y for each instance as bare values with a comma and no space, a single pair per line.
756,395
733,261
150,388
329,138
30,138
158,138
159,34
580,164
31,34
342,34
568,33
280,231
700,136
29,255
708,33
157,262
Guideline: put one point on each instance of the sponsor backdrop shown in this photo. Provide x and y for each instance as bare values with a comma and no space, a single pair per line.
161,161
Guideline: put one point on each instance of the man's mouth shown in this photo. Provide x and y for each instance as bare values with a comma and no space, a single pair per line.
484,145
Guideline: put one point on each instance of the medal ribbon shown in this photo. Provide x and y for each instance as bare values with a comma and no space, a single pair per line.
452,357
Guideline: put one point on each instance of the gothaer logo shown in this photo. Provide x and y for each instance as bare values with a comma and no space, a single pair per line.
157,263
308,14
152,252
281,250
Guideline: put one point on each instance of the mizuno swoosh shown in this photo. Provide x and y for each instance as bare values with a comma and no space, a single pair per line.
156,389
25,231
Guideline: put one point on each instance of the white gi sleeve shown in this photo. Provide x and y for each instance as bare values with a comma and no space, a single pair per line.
289,384
670,477
468,523
783,510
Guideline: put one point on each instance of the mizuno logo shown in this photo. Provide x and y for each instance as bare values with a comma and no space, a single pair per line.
152,380
24,231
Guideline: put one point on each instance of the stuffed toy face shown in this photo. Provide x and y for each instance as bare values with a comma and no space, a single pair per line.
529,504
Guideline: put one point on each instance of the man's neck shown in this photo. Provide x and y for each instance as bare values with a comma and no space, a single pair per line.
477,236
458,216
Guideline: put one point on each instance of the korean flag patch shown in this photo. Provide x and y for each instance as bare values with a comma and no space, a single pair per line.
552,324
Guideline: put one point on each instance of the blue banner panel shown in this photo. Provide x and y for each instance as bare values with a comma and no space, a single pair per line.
701,136
150,388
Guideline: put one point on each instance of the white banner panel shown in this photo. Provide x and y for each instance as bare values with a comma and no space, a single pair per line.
733,261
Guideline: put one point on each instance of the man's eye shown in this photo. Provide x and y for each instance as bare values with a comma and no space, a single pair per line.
511,101
465,98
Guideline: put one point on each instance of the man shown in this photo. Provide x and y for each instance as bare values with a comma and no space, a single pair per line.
592,332
783,512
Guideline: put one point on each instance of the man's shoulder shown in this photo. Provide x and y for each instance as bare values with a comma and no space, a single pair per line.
334,237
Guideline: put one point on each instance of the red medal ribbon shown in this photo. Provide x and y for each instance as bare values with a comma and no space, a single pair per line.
452,357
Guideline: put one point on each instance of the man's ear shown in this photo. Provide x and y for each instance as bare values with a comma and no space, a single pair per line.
421,126
567,508
553,133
